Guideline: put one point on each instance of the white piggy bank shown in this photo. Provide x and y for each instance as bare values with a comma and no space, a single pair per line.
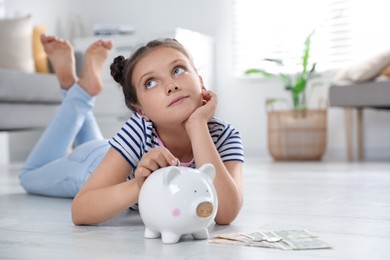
175,201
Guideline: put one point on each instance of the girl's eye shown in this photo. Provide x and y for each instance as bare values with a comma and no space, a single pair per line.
150,84
178,70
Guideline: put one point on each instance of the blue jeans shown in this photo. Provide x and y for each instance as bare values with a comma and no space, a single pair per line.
50,169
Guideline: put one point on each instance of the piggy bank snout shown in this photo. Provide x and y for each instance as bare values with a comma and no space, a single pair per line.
204,209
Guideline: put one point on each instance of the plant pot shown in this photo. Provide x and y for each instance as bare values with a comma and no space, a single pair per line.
297,135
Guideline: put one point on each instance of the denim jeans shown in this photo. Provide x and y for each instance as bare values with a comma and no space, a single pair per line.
50,169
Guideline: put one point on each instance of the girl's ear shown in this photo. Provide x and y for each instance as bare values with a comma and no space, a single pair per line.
139,110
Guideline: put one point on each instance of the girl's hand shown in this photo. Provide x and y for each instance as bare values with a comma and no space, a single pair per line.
205,112
155,159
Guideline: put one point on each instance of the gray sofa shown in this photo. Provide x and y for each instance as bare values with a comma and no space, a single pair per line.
27,100
356,97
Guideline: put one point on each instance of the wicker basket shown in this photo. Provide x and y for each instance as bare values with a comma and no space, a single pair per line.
297,135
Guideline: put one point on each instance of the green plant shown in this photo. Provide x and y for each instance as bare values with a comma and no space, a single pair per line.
295,83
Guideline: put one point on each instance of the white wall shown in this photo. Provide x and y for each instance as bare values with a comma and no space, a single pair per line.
241,101
55,14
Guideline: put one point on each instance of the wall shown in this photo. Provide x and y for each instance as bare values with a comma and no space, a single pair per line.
55,14
241,101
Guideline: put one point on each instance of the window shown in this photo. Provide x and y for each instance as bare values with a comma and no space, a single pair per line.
346,31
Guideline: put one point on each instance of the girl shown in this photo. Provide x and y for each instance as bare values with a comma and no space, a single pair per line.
173,123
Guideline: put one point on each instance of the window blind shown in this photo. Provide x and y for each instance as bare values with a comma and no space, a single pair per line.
277,30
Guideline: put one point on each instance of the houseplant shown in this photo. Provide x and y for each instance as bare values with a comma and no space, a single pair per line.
297,83
297,133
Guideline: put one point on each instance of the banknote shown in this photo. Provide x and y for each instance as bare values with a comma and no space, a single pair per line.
297,239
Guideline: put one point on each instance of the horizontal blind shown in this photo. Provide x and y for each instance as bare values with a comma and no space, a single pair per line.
277,29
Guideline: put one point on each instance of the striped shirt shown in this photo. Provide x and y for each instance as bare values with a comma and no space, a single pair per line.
138,136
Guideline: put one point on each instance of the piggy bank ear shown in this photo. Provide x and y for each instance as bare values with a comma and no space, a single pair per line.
209,170
170,174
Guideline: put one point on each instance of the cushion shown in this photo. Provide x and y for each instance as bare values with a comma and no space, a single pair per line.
386,71
40,57
366,70
16,50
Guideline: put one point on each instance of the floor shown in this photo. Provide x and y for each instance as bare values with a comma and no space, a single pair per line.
346,204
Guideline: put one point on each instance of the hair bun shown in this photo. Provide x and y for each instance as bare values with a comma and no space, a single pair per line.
117,68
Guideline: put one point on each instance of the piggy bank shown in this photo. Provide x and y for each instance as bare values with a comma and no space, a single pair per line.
175,201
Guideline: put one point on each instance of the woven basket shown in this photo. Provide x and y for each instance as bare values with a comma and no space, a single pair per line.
297,135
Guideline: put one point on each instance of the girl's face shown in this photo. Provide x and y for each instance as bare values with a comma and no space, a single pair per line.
168,87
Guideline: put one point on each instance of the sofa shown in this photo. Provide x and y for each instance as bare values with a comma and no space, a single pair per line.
361,85
27,103
29,93
354,97
27,100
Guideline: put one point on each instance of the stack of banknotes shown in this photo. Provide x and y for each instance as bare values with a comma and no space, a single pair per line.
283,239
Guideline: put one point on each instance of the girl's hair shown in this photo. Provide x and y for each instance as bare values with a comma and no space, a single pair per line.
122,69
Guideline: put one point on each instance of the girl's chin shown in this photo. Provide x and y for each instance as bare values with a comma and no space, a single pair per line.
182,115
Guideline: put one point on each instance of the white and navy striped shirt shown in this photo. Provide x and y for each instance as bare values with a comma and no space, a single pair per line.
138,136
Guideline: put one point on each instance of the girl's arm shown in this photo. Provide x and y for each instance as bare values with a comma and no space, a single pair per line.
108,192
228,179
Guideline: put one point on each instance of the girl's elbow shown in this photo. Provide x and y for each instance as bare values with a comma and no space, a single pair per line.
76,222
76,216
226,218
75,219
222,222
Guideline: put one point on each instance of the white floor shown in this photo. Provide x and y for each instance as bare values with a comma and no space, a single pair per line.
346,204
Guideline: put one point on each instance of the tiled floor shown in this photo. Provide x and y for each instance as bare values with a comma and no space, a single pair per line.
346,204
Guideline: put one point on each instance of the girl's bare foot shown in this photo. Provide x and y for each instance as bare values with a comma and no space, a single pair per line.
94,58
61,57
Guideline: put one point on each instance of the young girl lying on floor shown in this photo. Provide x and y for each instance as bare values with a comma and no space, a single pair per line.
173,123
